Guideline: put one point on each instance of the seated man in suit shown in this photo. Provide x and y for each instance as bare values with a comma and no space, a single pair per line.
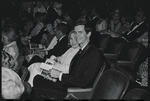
138,27
61,47
83,70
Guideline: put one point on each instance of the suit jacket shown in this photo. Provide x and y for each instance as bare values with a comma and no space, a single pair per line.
37,39
60,48
137,32
51,15
83,73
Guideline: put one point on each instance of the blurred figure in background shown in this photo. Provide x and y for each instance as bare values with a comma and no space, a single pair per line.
9,37
138,27
12,86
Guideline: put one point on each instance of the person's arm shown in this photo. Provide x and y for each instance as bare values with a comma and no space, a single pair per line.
104,25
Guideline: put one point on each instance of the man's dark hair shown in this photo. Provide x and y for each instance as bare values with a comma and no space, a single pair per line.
87,26
63,28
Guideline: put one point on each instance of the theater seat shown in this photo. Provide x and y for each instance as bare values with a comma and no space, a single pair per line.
129,58
113,49
112,85
84,93
103,41
136,93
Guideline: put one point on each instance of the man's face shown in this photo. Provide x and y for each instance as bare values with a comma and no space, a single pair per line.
82,36
139,17
57,32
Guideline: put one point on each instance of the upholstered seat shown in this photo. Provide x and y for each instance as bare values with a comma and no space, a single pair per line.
103,41
136,93
112,85
129,58
113,49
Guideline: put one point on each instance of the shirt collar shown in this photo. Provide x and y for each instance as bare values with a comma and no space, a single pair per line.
55,9
84,46
61,37
10,44
94,17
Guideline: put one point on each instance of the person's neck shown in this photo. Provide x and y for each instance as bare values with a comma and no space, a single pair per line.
82,46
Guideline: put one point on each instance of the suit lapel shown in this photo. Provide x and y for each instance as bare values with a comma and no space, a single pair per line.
75,60
85,50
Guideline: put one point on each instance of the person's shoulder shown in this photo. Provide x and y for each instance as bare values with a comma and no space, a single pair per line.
94,48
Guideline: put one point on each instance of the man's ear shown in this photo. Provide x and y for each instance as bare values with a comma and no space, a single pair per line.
89,34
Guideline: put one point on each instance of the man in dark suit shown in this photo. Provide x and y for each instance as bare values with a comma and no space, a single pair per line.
60,48
61,32
53,12
94,19
138,28
83,70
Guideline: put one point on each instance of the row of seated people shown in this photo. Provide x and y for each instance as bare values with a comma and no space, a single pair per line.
86,60
42,58
118,88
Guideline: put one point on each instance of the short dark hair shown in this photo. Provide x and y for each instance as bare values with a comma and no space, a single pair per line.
64,28
87,26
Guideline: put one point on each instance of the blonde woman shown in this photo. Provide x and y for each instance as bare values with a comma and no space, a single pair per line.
62,63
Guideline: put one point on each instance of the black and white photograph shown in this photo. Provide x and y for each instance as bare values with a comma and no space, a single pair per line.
74,49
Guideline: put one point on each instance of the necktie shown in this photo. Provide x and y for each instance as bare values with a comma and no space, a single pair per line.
74,60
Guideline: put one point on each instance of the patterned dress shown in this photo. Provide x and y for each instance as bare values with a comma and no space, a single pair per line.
8,61
142,74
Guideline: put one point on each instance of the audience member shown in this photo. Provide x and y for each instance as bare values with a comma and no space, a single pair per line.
61,32
138,27
12,86
84,16
94,18
101,25
115,22
39,8
83,70
126,20
9,37
54,12
68,19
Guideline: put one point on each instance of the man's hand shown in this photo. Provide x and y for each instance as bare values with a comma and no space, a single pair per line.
50,61
55,73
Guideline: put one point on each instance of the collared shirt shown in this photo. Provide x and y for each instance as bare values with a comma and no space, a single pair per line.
94,17
135,27
61,37
10,44
84,46
56,10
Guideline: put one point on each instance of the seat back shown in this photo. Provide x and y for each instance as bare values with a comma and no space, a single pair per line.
114,46
130,51
112,85
103,41
99,75
136,93
85,93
